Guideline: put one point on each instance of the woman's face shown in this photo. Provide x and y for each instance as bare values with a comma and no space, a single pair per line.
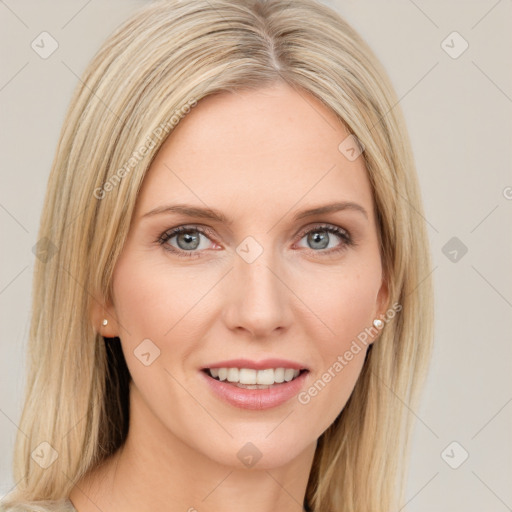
265,282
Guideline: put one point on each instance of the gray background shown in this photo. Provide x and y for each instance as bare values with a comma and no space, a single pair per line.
458,112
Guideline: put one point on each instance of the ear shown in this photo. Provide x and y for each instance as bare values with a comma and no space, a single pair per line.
101,311
381,306
382,298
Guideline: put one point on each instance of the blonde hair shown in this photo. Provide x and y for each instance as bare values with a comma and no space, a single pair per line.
161,61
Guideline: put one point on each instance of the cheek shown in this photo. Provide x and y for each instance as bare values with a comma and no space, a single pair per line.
345,302
347,307
154,303
356,304
150,299
350,311
166,306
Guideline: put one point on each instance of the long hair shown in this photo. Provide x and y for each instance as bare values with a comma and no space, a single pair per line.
147,75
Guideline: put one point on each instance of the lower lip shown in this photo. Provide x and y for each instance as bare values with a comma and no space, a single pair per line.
257,399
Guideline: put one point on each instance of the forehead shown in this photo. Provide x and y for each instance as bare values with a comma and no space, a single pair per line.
256,149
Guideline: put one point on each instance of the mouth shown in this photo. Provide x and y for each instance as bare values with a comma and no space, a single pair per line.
248,388
249,378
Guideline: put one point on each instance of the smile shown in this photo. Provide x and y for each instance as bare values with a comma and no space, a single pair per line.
255,395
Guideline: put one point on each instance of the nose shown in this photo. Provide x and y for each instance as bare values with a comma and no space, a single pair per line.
257,297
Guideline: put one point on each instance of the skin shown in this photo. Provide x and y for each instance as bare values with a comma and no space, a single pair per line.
259,157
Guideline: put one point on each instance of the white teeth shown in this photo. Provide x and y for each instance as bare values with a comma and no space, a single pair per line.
266,377
233,375
247,376
279,375
289,373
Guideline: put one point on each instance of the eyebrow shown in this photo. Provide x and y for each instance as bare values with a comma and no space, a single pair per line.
216,215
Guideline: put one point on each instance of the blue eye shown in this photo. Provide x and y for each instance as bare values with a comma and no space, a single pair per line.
319,237
188,239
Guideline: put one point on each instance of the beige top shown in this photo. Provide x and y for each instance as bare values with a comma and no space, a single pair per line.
54,506
70,507
61,506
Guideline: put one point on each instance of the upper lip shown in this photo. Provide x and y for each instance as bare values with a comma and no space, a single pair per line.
257,365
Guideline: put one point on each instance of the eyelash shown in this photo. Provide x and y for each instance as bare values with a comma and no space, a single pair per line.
343,234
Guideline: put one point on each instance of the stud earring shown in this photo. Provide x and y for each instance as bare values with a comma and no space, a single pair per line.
379,324
105,322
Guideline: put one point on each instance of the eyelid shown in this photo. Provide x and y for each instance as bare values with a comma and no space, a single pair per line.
205,230
319,226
